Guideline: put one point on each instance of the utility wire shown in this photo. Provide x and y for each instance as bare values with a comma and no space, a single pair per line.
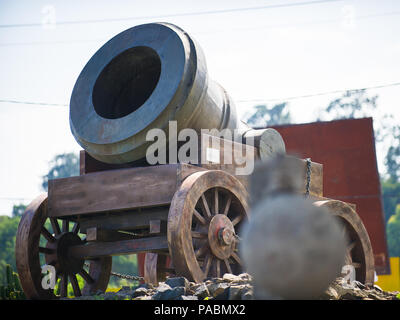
246,28
320,94
183,14
240,101
34,103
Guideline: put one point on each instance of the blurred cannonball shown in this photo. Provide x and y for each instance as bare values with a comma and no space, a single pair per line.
292,248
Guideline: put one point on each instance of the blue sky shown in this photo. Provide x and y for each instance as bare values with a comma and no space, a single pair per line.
268,53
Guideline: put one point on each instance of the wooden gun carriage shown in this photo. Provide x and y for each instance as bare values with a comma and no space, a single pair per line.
184,217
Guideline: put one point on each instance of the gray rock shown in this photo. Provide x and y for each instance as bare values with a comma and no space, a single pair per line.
125,288
113,296
143,298
169,294
188,298
247,294
376,296
202,291
378,288
141,291
229,277
330,294
245,277
235,292
359,285
218,289
177,282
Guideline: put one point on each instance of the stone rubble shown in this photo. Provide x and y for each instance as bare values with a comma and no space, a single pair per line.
232,287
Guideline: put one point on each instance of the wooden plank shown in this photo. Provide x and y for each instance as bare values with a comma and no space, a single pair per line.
185,170
102,249
229,155
316,178
158,226
96,234
112,190
88,164
124,221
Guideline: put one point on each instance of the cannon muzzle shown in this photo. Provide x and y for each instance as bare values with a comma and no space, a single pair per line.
141,79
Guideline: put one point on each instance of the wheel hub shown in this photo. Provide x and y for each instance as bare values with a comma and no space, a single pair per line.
221,234
58,253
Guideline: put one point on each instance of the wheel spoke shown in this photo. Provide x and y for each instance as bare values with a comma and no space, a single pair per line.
198,235
64,285
236,257
199,252
228,266
75,286
208,261
75,228
55,226
199,217
237,220
65,226
218,267
216,201
228,204
49,237
205,205
86,276
351,246
45,250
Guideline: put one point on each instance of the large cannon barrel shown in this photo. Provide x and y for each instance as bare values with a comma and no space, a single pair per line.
141,79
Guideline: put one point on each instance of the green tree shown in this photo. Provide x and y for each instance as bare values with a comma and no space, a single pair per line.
393,233
392,159
264,116
18,210
352,104
390,196
8,231
61,166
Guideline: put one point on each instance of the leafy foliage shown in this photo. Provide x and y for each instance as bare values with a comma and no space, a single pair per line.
393,233
392,159
352,104
11,290
390,196
62,166
264,116
18,210
8,230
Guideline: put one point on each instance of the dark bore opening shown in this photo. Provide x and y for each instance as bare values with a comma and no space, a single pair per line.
126,82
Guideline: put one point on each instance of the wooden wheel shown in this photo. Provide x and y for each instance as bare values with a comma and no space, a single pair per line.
204,220
359,257
36,245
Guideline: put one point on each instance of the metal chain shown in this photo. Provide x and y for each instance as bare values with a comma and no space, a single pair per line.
123,276
308,177
126,276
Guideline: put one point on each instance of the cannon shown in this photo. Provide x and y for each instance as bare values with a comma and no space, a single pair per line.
185,216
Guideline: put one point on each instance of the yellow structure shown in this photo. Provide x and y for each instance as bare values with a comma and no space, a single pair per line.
391,282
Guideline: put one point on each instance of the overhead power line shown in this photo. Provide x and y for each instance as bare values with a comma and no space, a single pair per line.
34,103
240,100
240,28
320,93
183,14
